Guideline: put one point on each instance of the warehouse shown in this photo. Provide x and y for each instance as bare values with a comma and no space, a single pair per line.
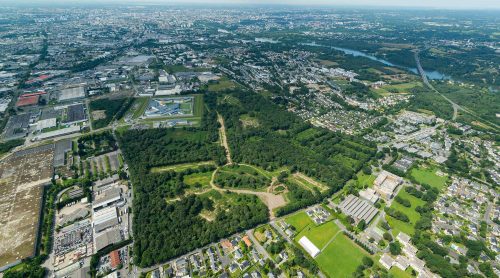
47,123
309,246
105,218
72,93
107,238
107,198
75,114
358,209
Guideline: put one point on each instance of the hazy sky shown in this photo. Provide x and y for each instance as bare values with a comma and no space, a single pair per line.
451,4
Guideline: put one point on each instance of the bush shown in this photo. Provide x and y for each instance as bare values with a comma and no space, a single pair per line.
403,201
395,248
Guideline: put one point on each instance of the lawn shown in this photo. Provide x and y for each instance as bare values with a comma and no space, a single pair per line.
398,273
400,226
222,85
299,220
340,258
201,178
364,179
319,235
139,106
429,176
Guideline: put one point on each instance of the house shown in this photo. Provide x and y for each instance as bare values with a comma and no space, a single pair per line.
386,261
247,241
401,262
244,265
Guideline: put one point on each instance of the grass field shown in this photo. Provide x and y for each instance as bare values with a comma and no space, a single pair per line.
180,167
429,176
398,273
319,235
223,84
299,220
307,182
400,226
139,106
201,178
340,258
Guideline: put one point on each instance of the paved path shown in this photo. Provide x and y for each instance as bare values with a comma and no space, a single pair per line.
259,247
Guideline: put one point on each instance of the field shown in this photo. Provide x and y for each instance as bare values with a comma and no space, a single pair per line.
307,182
138,107
319,235
299,220
198,179
400,226
221,85
22,177
429,176
180,167
397,88
340,258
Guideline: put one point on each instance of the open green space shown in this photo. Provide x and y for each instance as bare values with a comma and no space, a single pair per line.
398,273
241,176
429,176
103,111
405,227
139,106
319,235
181,167
221,85
202,178
340,258
299,220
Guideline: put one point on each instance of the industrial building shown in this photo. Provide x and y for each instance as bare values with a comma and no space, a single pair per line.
358,209
106,198
310,248
107,238
386,183
72,93
105,218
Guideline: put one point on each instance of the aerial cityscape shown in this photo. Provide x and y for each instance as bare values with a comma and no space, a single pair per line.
162,140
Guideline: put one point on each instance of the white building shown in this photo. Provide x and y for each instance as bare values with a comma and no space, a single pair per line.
309,246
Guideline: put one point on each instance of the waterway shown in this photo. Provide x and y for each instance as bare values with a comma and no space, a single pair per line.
434,75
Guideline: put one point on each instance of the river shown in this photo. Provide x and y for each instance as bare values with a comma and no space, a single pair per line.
434,75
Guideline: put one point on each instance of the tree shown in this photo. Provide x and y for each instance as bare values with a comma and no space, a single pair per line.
361,225
367,261
388,236
395,248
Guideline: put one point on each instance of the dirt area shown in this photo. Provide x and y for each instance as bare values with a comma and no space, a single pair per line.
22,176
222,132
99,114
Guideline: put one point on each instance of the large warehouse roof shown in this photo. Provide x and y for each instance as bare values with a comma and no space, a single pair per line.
309,246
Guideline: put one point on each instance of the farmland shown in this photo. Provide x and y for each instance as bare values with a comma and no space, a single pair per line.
22,176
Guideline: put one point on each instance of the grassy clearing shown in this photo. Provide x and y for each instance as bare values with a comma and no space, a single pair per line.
139,106
308,182
299,220
340,258
429,176
221,85
198,178
248,121
180,167
398,273
319,235
400,226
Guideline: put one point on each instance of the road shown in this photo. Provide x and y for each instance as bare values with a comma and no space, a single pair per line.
259,247
455,106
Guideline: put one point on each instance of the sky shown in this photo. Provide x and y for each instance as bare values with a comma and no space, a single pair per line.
446,4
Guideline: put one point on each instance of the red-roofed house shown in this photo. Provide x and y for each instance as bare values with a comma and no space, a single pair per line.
27,101
115,258
247,241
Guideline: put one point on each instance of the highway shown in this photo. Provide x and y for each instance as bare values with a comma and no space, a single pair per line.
455,106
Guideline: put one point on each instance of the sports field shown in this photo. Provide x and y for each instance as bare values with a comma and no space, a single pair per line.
400,226
319,235
299,221
340,258
429,176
